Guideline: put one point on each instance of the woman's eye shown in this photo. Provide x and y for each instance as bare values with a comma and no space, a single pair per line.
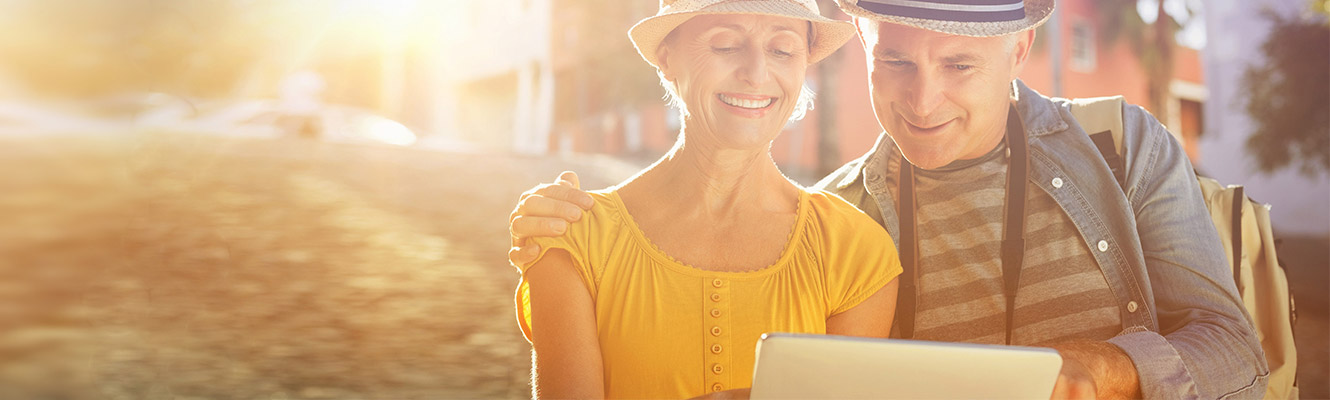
782,53
725,50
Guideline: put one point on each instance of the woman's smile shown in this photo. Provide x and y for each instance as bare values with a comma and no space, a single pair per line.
747,105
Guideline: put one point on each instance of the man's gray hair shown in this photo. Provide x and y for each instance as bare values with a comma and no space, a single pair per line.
805,101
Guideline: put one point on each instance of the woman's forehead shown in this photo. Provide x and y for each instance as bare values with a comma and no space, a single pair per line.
744,23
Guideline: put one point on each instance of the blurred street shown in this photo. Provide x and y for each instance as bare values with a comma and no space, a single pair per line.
196,267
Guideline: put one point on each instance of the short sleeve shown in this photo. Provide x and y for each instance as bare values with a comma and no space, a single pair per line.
860,256
576,242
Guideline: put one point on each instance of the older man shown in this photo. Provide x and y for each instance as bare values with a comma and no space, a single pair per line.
1011,226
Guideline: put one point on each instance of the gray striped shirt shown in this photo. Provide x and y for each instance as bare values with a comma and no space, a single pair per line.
1062,293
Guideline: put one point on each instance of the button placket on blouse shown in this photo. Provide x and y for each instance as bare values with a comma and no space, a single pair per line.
715,317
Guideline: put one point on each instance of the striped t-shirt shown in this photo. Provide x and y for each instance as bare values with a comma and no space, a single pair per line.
1062,293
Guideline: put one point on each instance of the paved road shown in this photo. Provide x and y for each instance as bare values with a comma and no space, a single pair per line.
182,267
194,267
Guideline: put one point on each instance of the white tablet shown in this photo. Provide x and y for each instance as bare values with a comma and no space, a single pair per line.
802,366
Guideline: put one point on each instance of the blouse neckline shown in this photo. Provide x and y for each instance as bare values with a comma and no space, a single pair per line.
801,217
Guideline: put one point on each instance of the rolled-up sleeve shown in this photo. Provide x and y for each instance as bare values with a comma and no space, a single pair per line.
1206,346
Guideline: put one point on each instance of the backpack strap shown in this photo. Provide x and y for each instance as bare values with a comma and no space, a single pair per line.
1101,118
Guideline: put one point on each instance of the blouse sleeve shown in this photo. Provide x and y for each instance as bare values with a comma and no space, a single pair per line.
575,242
861,258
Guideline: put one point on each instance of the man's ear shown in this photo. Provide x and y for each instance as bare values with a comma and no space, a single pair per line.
1021,54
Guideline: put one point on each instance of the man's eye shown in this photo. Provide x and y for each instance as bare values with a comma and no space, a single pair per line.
961,67
782,53
725,50
896,63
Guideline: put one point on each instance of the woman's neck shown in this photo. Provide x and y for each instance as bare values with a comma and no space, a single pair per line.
698,178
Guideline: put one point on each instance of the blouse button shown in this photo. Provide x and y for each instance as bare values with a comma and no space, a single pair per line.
715,297
716,387
717,368
715,331
715,349
715,312
716,282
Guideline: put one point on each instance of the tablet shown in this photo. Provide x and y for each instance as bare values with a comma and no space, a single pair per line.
803,366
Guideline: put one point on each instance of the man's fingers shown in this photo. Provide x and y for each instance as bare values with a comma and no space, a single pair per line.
565,193
570,179
526,226
538,206
523,255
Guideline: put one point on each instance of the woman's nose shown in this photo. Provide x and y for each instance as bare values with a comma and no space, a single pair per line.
754,69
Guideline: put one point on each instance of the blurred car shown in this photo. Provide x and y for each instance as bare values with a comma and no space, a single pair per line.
268,118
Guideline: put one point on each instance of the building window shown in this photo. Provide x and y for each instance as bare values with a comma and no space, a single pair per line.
1082,46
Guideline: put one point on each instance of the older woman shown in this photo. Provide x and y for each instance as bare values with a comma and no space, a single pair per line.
664,287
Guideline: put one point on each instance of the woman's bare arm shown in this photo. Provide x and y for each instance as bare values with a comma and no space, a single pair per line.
563,329
871,318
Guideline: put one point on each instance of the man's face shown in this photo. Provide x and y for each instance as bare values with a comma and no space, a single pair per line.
941,97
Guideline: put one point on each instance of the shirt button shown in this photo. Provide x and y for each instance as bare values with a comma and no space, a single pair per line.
715,349
715,297
1103,246
716,387
717,368
715,312
716,282
1132,306
1057,183
715,331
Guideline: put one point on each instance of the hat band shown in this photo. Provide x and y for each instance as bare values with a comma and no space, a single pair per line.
949,10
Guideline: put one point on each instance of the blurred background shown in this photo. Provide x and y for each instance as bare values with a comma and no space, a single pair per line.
307,198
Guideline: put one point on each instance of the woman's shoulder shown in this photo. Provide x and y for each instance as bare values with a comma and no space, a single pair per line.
834,211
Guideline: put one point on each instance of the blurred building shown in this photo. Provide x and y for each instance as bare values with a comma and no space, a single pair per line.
497,90
545,78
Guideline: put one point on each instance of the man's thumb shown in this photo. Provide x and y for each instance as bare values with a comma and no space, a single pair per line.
569,178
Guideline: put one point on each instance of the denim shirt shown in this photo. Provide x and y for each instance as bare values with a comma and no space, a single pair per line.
1183,324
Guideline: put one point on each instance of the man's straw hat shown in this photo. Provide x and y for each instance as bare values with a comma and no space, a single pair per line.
980,18
828,34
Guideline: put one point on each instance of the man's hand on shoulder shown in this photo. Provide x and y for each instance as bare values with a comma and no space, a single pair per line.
545,210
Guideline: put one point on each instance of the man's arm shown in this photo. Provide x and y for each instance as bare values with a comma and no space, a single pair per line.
1206,346
1095,370
566,358
545,210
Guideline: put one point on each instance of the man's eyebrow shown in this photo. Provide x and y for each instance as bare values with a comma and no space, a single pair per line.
963,58
890,53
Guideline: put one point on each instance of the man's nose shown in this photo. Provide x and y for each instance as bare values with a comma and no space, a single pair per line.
754,69
924,95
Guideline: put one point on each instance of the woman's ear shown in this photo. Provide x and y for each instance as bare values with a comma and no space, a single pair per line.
663,62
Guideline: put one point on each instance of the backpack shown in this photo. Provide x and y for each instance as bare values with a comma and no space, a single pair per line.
1244,229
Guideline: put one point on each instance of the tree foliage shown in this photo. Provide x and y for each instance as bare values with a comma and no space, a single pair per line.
1289,96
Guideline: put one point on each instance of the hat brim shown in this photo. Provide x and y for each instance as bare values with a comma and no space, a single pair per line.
828,34
1036,13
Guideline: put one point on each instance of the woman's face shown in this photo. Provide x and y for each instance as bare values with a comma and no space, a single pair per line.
738,75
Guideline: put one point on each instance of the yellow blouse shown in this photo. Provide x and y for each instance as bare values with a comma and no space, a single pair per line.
668,330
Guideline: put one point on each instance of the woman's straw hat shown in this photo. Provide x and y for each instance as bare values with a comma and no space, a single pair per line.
828,34
979,18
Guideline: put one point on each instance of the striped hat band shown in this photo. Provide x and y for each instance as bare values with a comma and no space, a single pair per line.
949,10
